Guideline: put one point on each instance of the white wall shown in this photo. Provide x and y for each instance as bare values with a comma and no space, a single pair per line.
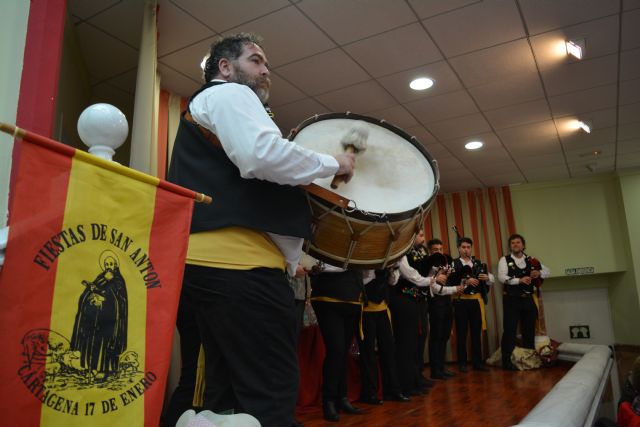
579,307
13,30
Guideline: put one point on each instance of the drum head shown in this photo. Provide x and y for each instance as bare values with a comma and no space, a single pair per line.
393,175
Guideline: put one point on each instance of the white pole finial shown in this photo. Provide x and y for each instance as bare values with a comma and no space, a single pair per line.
103,128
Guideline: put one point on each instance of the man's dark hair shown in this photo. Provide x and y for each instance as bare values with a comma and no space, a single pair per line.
516,236
229,47
465,240
433,242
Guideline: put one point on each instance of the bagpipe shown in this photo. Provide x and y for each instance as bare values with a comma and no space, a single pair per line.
532,264
476,269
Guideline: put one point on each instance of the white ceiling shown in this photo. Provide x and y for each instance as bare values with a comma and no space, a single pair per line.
499,75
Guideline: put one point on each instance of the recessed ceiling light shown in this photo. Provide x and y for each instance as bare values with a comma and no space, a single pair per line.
421,84
580,124
473,145
575,48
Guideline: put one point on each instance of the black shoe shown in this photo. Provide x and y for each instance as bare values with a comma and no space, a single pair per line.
329,411
510,367
448,373
345,406
481,368
370,400
463,368
397,397
438,376
423,382
296,423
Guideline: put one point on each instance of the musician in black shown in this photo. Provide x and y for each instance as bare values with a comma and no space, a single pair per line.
518,274
337,299
469,306
405,314
376,326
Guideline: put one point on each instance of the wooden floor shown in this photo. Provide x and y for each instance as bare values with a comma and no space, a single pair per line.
497,398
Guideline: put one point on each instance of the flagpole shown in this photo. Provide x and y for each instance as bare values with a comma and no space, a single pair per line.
56,146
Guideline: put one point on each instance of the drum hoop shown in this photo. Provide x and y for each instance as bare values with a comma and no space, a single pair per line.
433,164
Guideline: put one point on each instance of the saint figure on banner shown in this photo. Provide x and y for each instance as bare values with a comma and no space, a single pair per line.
100,327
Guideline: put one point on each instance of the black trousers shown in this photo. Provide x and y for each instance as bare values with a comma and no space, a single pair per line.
247,322
337,322
441,320
468,318
377,327
423,331
404,313
517,309
182,397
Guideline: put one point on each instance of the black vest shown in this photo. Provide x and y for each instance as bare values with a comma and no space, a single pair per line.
199,165
417,258
516,272
345,286
377,290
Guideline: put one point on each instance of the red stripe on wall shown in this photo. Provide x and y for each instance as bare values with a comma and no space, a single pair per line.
26,288
511,222
471,201
442,217
493,202
428,232
163,130
170,229
457,214
487,248
40,72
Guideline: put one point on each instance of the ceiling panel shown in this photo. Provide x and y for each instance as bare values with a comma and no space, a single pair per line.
187,60
545,15
546,173
475,27
324,72
444,77
630,33
346,21
128,14
535,139
582,101
470,125
283,92
581,75
630,64
381,56
93,42
229,13
85,9
628,146
629,92
519,114
292,115
299,38
360,98
427,9
495,63
580,140
176,82
509,90
629,113
177,29
436,108
397,116
530,162
425,137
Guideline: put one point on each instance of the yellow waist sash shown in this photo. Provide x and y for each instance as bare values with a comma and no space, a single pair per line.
373,308
478,298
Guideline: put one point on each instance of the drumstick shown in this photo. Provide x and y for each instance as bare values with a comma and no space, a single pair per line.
354,141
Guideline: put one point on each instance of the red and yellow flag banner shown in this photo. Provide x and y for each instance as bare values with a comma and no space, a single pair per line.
89,290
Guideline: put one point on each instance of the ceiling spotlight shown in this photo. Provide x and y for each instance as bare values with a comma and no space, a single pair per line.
580,124
575,48
421,83
473,145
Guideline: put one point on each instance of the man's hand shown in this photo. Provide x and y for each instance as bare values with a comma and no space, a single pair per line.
535,274
460,289
441,278
526,280
346,162
472,281
483,276
300,271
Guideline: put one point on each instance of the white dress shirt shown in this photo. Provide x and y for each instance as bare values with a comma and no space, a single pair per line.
253,142
503,270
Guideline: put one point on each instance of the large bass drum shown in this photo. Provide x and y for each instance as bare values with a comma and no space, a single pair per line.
394,184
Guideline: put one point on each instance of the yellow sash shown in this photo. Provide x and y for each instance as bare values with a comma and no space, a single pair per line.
478,298
373,307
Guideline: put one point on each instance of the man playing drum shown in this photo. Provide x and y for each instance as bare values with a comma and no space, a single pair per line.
228,146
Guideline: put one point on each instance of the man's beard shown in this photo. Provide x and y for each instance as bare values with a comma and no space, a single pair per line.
260,85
